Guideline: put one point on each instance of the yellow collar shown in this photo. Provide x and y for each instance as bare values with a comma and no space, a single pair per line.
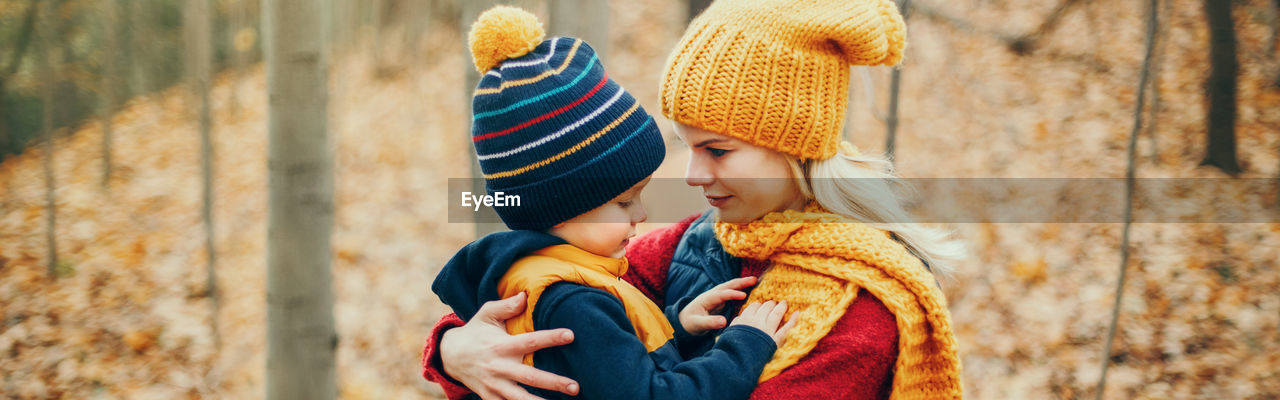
568,252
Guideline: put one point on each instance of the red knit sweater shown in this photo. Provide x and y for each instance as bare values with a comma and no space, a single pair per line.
854,361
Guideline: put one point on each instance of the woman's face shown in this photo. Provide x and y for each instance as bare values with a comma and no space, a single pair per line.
743,181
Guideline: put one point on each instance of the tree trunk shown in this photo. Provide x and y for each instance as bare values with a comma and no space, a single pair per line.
584,19
301,338
471,9
891,120
111,74
239,22
1221,88
50,76
4,123
23,42
846,132
347,24
379,8
1163,19
696,7
895,82
1275,31
1130,178
199,37
137,22
418,26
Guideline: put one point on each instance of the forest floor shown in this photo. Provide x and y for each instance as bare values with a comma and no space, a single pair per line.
128,315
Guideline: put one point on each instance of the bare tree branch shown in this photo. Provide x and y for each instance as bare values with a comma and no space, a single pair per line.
1030,41
931,12
1020,43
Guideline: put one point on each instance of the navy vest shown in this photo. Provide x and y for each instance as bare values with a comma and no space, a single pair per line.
699,262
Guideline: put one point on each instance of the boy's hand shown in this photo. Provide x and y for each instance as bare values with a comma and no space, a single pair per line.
767,317
697,318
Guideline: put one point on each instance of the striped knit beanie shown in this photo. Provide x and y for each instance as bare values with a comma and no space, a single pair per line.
550,126
775,73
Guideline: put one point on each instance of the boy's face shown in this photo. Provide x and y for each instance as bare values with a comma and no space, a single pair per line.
606,230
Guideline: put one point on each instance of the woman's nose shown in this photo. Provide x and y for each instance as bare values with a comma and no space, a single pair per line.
698,173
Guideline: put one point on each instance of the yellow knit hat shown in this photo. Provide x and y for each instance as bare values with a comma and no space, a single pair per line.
775,73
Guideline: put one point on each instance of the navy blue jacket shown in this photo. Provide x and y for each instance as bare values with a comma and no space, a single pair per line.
698,264
606,357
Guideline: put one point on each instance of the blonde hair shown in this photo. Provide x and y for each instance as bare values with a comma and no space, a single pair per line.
861,187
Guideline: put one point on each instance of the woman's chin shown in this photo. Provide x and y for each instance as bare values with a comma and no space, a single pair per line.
734,216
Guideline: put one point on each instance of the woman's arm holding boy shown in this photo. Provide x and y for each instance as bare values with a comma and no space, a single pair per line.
485,358
649,256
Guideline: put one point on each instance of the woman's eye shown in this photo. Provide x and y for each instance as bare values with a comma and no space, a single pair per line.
624,204
716,152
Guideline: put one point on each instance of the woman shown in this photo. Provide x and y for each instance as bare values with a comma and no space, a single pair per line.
757,90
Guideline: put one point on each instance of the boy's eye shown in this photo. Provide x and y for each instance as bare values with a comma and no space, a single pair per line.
716,152
625,204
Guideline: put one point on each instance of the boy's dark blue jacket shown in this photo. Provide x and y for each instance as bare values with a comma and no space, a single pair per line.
605,358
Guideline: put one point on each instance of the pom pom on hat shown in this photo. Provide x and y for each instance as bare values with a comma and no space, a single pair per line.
502,33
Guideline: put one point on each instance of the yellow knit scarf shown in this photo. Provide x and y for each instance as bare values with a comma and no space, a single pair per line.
819,262
535,272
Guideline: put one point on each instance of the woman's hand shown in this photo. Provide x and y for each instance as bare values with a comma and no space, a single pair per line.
767,317
484,358
697,318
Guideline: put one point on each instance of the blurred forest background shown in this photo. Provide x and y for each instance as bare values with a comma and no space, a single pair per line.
134,139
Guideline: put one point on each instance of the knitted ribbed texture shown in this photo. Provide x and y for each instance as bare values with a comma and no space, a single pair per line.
549,126
821,260
775,73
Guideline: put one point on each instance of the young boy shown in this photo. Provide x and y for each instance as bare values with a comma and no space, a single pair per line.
552,130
